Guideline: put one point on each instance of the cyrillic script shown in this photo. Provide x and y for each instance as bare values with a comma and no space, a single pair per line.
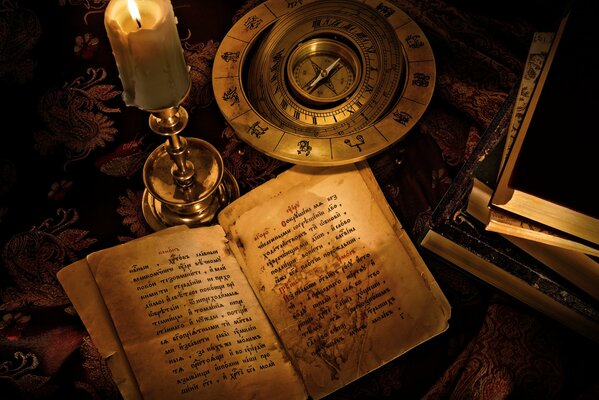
328,268
196,314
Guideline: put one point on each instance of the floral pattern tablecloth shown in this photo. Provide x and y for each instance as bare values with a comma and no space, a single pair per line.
71,156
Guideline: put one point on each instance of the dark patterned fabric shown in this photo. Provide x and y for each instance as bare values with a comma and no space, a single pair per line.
71,155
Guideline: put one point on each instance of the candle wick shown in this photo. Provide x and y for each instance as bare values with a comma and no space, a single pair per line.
138,23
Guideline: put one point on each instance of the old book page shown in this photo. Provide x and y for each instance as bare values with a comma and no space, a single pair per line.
79,284
81,287
345,291
188,321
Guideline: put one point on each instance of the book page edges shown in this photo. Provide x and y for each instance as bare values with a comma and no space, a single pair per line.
496,221
574,266
478,201
554,215
508,283
80,286
502,221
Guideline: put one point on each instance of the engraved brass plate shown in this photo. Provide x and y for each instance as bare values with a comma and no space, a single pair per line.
323,82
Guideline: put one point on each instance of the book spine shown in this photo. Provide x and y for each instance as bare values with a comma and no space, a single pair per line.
455,197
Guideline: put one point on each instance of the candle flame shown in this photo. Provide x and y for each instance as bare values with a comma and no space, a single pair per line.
134,11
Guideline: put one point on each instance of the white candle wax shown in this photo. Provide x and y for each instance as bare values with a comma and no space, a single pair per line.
148,54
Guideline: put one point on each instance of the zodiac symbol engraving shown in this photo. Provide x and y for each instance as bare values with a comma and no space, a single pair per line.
293,3
231,94
256,130
360,142
384,10
252,23
230,56
401,117
421,79
304,147
414,41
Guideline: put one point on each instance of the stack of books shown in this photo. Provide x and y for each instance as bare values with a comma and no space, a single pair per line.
520,215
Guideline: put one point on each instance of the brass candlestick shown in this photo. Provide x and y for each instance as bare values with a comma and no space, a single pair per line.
186,181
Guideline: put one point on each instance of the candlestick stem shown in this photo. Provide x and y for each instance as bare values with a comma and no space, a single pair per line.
186,181
184,171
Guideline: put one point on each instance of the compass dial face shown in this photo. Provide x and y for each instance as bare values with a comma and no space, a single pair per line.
323,82
323,72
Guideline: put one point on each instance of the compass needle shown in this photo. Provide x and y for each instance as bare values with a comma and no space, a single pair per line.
329,82
309,84
330,85
330,67
324,73
317,72
316,67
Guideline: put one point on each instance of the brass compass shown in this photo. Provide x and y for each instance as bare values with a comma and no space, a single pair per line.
324,82
323,72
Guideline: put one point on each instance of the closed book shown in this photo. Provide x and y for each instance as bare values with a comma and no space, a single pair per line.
549,174
498,219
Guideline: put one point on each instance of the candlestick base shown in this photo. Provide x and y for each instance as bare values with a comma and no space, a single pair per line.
200,197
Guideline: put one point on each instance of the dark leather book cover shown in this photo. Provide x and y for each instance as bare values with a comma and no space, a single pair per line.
558,160
482,163
450,220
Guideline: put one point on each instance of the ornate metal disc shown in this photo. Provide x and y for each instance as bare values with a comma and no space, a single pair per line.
323,82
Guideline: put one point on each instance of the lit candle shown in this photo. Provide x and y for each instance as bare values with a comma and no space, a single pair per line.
146,46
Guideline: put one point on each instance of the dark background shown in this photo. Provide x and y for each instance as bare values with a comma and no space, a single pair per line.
70,183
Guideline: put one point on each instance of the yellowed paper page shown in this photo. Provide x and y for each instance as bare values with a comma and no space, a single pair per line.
189,322
345,293
81,288
79,284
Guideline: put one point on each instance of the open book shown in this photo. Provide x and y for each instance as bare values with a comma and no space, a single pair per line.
308,283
